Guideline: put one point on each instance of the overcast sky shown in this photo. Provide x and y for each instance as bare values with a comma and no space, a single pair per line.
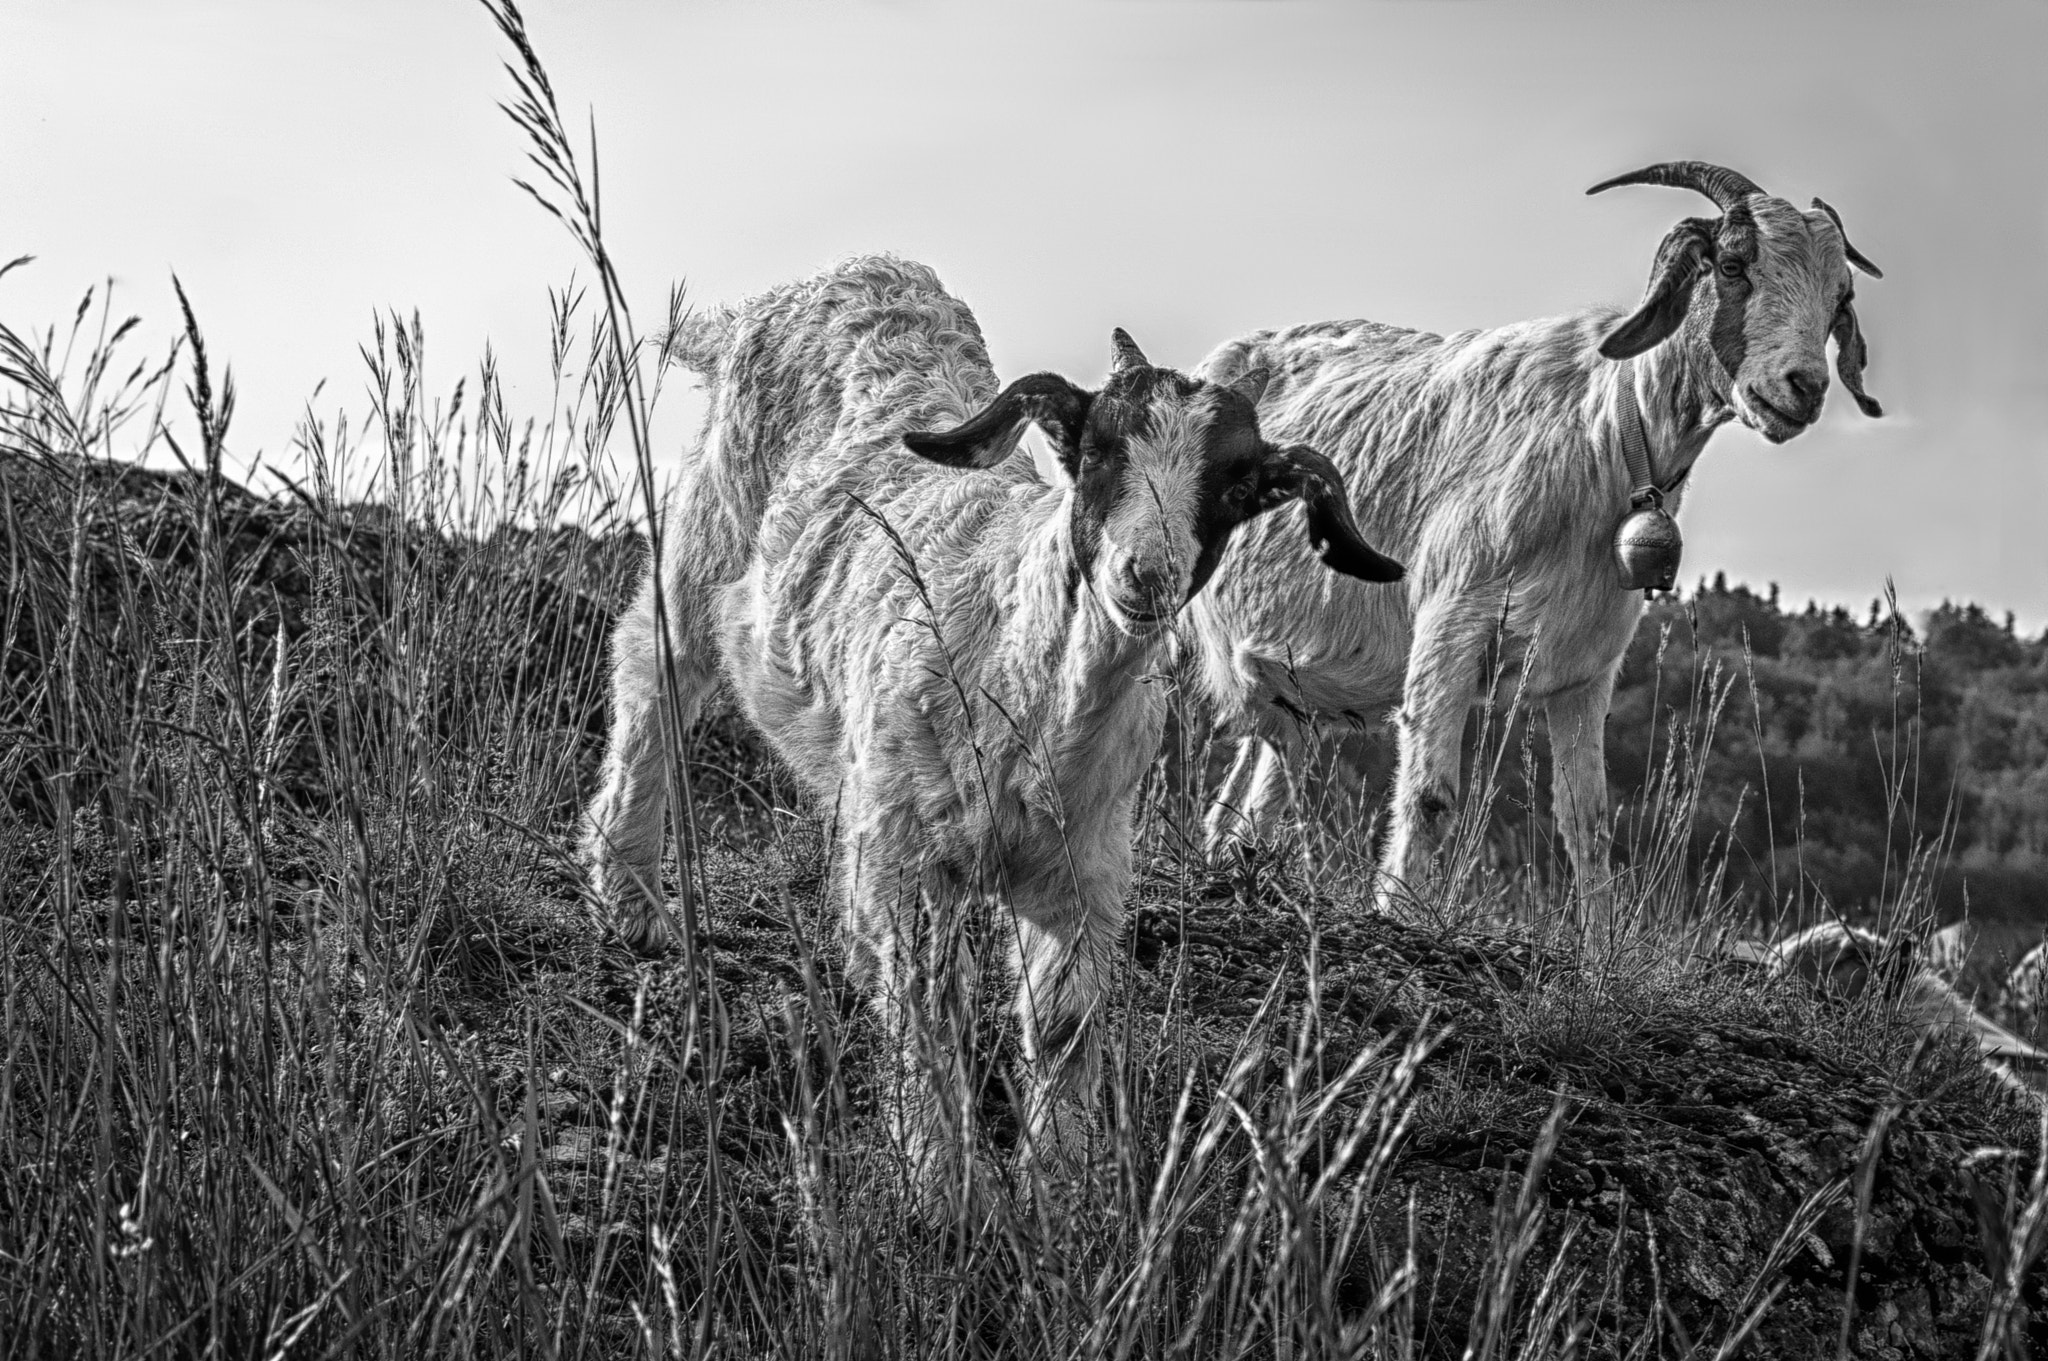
1187,171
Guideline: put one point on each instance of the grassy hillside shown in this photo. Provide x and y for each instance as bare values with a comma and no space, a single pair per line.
310,1046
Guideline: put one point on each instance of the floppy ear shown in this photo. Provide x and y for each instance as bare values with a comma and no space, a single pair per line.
1684,253
1851,355
1298,473
990,435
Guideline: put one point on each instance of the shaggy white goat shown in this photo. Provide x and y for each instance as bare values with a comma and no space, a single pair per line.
958,658
1497,464
2026,987
1844,962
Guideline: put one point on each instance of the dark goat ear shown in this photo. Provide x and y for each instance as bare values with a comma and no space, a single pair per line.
1684,253
1298,473
1851,354
990,435
1856,257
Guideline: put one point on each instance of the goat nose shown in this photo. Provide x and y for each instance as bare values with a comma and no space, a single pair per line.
1147,579
1807,387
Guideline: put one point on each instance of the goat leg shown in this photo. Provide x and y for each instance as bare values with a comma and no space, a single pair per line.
625,829
1066,942
1443,671
1256,795
1578,782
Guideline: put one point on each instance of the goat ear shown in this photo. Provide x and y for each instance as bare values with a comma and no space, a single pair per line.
1298,473
991,434
1684,252
1851,355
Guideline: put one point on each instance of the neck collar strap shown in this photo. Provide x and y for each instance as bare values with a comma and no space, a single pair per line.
1644,489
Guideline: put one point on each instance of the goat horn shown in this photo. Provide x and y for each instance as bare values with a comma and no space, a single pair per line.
1124,352
1724,186
1856,257
1251,384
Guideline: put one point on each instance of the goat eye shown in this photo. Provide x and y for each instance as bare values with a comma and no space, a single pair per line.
1239,492
1733,269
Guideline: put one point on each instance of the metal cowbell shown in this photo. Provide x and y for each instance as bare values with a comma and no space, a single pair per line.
1647,547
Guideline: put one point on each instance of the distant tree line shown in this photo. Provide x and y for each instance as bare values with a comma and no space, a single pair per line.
1844,748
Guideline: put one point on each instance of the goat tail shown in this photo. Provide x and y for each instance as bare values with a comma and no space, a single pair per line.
1232,359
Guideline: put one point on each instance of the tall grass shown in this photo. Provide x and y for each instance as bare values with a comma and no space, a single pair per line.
309,1047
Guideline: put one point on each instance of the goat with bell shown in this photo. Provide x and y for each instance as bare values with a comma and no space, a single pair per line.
1527,474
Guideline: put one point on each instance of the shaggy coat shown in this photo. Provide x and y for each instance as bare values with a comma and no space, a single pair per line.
1492,462
956,657
1845,962
2026,988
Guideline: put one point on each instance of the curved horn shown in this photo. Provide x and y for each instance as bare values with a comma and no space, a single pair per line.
1298,473
1124,352
1251,384
1724,186
989,436
1856,257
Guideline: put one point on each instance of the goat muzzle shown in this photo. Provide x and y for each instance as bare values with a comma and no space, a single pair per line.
1647,546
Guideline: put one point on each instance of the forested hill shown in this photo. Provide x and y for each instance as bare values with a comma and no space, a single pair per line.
1845,744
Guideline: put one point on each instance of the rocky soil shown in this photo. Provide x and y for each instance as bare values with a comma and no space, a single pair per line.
1697,1120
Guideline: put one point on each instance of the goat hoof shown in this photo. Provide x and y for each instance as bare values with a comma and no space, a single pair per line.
646,932
1063,1175
1062,1141
945,1180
